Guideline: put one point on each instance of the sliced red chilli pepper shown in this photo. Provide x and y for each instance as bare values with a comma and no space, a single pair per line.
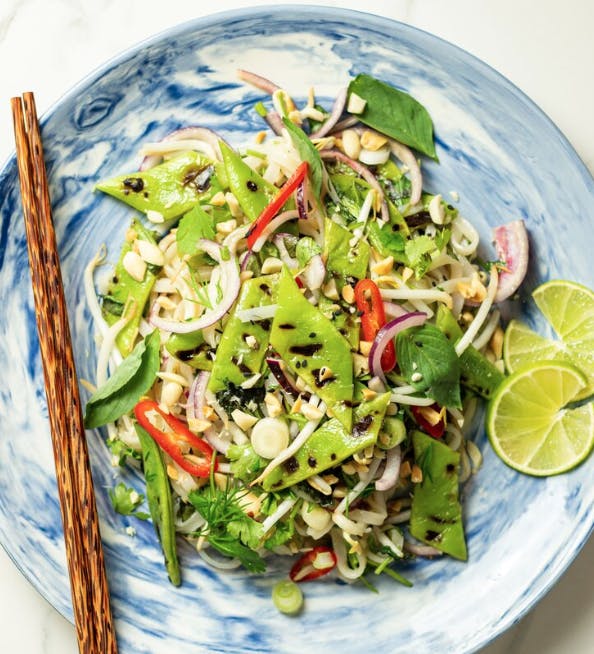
170,441
435,429
313,564
275,206
369,301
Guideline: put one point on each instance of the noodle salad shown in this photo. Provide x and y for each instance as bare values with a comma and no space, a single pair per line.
294,340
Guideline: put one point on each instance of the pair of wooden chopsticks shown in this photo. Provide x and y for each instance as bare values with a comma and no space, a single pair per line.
84,552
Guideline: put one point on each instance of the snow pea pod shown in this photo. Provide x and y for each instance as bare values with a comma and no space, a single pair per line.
158,494
330,444
436,514
311,345
343,258
191,349
250,189
171,188
243,345
477,373
128,296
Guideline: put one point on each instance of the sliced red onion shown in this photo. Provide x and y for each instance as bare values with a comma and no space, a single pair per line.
364,172
258,81
314,273
300,200
274,122
421,550
406,156
346,123
511,245
391,472
195,410
272,226
335,114
276,368
244,260
386,334
230,283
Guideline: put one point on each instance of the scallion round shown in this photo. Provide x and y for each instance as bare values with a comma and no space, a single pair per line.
287,597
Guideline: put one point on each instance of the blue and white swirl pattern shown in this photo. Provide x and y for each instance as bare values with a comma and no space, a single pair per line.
496,149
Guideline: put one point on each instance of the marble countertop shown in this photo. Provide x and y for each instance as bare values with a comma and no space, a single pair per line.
543,46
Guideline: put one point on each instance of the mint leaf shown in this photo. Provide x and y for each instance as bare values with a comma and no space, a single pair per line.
394,113
196,224
131,380
429,362
307,152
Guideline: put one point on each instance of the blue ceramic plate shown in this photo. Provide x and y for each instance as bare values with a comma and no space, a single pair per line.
496,149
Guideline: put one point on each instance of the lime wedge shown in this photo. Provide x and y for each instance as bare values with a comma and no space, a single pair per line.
529,424
569,308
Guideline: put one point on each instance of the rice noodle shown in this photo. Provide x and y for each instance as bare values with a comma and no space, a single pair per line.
480,316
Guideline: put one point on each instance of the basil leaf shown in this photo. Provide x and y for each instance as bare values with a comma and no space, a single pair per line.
394,113
131,380
307,152
196,224
429,362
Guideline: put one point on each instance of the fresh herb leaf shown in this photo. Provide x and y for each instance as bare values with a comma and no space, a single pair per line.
307,152
131,380
195,224
245,463
387,241
306,249
429,362
235,397
417,251
126,501
394,113
121,451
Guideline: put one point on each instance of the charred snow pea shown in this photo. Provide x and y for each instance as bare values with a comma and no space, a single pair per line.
346,323
128,296
158,494
436,514
243,344
311,345
251,190
191,349
476,372
171,188
330,444
343,258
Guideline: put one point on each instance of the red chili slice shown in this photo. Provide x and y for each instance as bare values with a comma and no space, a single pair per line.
304,568
436,430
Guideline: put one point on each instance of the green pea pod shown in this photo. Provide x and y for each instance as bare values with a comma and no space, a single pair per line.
308,342
128,296
343,258
330,444
191,349
436,514
171,188
251,190
347,324
477,373
158,494
243,345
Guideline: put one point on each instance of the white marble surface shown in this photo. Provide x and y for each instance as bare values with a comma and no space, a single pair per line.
543,46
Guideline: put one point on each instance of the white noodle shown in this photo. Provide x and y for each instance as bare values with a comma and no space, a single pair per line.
480,316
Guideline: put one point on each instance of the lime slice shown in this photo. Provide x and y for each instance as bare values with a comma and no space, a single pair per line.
528,422
569,308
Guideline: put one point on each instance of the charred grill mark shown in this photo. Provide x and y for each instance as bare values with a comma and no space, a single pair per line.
134,184
199,178
305,350
360,427
291,465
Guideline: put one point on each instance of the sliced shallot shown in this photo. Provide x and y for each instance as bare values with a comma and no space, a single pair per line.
511,245
391,471
406,156
333,118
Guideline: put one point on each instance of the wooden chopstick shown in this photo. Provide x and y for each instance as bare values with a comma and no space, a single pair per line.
84,552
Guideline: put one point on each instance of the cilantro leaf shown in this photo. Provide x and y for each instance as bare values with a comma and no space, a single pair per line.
195,224
245,463
417,251
131,380
429,362
126,501
306,249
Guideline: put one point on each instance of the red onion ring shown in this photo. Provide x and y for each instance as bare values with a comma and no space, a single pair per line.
231,285
391,471
386,334
195,410
300,200
274,122
364,172
258,81
406,156
335,114
286,258
511,245
272,226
